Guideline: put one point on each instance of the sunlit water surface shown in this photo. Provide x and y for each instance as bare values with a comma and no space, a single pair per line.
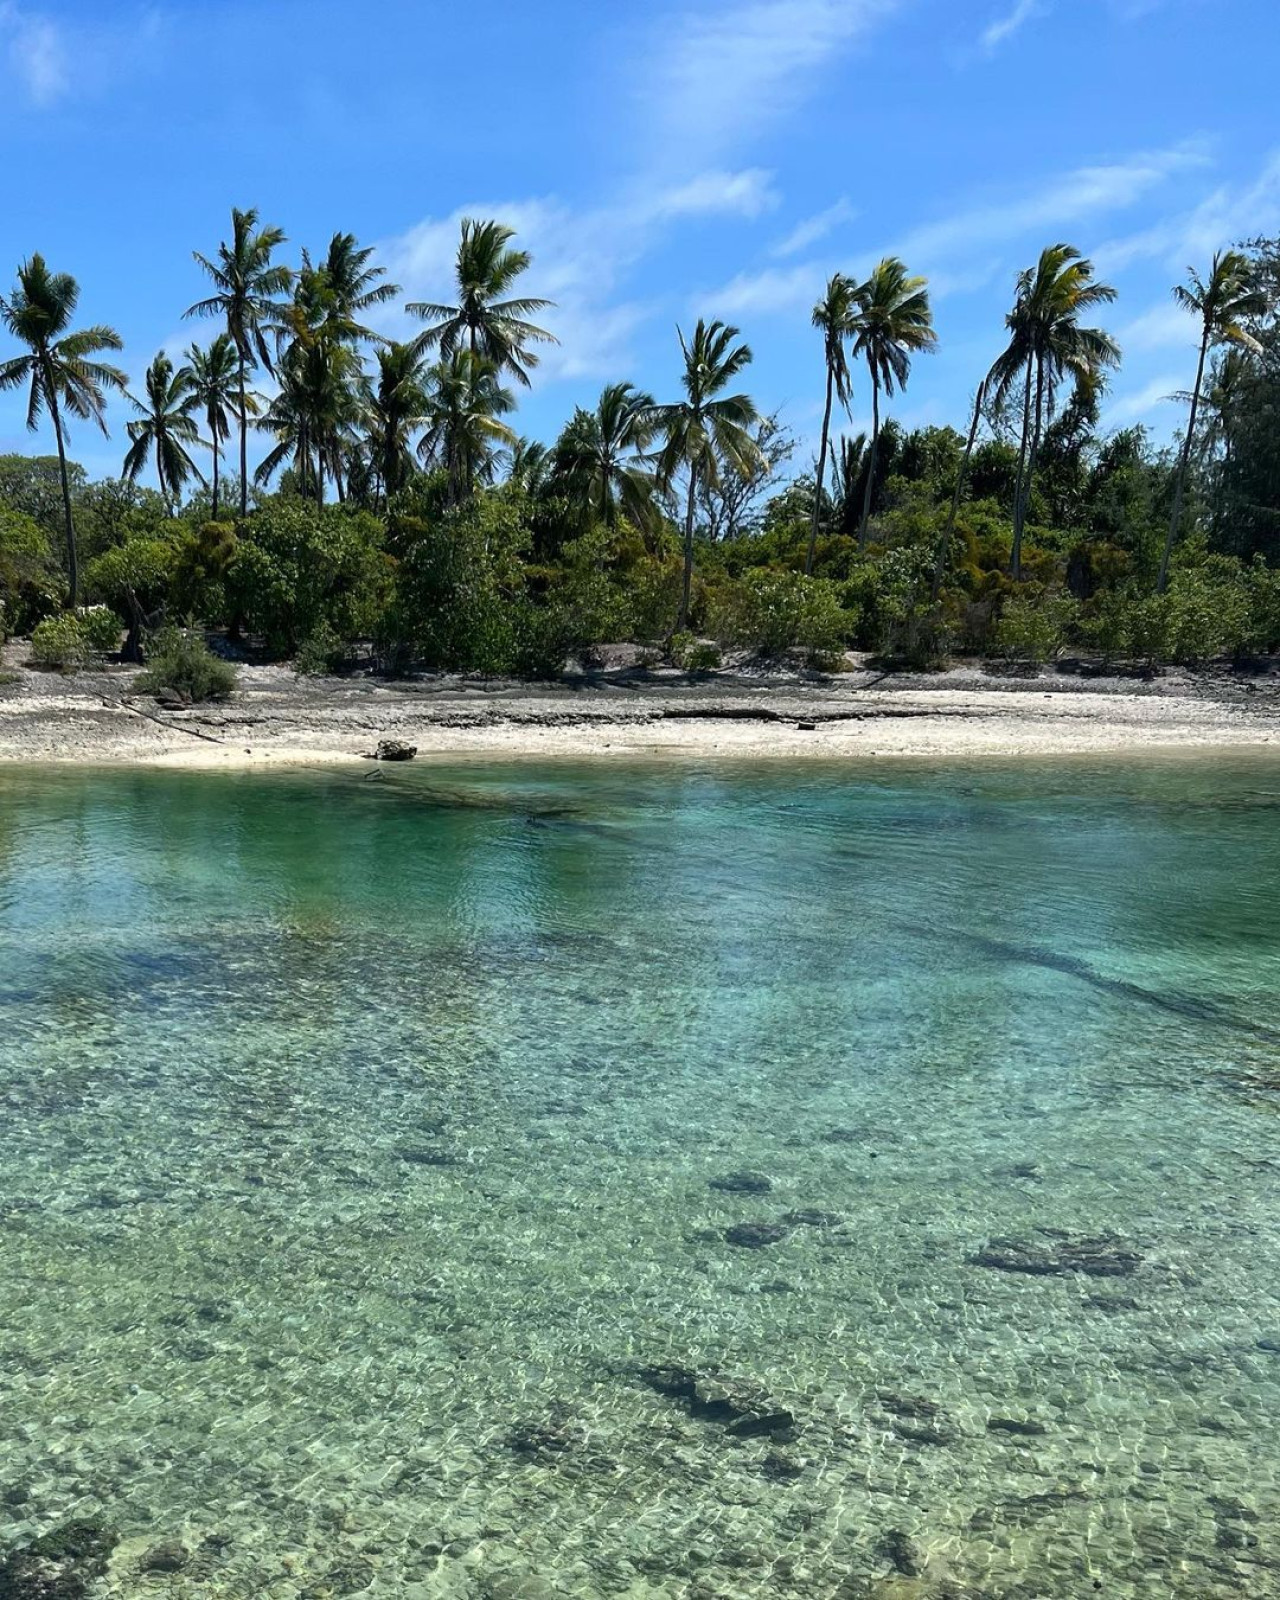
357,1137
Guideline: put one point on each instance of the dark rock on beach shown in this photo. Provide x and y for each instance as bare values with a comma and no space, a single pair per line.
60,1565
742,1183
755,1235
393,750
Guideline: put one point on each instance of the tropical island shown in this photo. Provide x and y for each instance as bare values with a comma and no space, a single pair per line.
396,529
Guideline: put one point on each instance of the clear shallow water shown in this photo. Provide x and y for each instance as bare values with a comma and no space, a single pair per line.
357,1133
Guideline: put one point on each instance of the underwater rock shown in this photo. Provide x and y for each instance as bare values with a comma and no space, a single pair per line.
392,750
742,1183
781,1468
170,1555
917,1420
755,1235
843,1136
17,1494
1102,1256
546,1438
745,1410
352,1576
901,1550
59,1565
813,1219
1025,1427
428,1157
1111,1303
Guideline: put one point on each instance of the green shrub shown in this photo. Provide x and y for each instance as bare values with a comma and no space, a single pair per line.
182,662
320,652
100,628
773,612
1033,629
58,643
693,654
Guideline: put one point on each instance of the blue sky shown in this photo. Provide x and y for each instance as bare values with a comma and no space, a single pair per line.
661,160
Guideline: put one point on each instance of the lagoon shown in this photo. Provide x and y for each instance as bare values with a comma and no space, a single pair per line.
685,1179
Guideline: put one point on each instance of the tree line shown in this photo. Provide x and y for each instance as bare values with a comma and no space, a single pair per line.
420,433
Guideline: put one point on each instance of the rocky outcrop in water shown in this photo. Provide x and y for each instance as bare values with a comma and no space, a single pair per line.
755,1235
743,1408
1102,1256
59,1565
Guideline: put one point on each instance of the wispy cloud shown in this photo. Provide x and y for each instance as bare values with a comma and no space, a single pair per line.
583,257
1230,213
721,72
814,228
36,53
1163,326
965,251
1003,28
1140,403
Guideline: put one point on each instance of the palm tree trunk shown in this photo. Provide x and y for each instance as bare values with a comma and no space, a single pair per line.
944,544
871,464
244,445
822,472
1183,459
73,566
215,475
1033,452
1015,555
683,621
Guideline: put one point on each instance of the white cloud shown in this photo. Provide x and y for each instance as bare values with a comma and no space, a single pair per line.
1229,214
1140,404
960,253
812,229
36,53
720,73
580,259
1163,326
1004,28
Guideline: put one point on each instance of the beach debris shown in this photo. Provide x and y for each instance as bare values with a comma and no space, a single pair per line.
392,750
1097,1256
806,727
62,1564
756,1235
745,1410
742,1183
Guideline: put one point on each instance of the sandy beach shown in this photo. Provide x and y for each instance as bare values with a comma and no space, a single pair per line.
277,717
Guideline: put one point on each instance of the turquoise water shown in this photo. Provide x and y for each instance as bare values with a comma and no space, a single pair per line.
358,1136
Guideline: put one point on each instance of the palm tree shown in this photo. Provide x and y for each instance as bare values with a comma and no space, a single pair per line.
962,472
314,415
891,323
60,371
484,322
465,405
164,427
211,375
351,287
248,287
707,431
1046,344
833,315
529,465
599,456
396,407
1223,305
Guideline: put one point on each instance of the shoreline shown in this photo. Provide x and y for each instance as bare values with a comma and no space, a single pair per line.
277,719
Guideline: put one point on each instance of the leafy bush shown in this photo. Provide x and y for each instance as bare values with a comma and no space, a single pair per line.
182,662
773,612
58,643
100,629
1033,629
30,584
320,652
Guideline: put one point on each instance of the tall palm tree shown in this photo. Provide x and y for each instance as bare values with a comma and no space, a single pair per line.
465,431
164,428
529,465
1046,344
211,375
1224,304
248,287
833,316
598,457
396,407
351,287
60,372
707,431
485,321
892,322
314,415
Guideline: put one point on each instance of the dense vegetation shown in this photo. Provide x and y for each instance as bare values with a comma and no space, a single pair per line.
398,514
